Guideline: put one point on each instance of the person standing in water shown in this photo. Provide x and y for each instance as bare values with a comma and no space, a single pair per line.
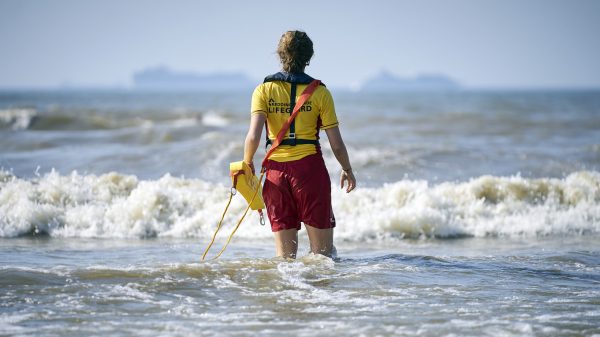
297,186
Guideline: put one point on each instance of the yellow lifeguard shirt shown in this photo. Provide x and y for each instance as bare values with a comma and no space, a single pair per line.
272,99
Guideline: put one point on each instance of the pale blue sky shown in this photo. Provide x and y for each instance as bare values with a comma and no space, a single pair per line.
481,43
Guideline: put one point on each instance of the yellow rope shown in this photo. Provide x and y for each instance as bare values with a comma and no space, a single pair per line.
238,224
218,226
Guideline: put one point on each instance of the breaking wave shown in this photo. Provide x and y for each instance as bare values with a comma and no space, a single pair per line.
117,205
19,119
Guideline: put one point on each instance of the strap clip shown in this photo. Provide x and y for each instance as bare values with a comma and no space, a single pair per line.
292,135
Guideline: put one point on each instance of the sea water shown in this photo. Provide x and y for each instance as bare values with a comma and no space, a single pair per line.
477,214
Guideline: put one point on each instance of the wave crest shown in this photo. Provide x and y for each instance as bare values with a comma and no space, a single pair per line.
117,205
17,119
20,119
484,206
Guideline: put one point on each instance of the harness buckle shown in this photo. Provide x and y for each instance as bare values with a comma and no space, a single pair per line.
292,135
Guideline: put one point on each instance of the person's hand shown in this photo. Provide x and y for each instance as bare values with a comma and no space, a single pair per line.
251,164
348,176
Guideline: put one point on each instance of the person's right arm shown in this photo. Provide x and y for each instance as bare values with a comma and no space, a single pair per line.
341,154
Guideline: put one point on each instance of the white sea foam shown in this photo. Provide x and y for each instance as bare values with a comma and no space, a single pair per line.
214,119
17,119
117,205
9,323
484,206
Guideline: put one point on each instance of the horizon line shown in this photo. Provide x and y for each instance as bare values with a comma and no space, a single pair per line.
349,88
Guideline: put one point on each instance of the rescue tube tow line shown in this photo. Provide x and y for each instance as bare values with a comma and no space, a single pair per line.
249,183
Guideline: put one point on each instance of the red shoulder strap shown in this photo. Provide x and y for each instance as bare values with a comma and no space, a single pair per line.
308,91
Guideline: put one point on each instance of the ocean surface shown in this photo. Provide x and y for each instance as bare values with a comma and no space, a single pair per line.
477,213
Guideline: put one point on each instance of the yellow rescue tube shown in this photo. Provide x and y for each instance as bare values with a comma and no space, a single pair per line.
245,182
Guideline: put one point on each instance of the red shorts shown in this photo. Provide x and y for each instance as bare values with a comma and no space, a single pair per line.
298,191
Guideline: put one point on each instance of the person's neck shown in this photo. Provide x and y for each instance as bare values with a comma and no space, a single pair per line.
293,72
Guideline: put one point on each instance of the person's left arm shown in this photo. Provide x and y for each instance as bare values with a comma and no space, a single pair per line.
253,137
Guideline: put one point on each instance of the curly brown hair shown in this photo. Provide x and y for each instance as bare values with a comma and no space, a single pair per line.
295,50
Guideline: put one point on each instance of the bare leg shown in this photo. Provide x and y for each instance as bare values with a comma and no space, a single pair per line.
321,240
286,243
